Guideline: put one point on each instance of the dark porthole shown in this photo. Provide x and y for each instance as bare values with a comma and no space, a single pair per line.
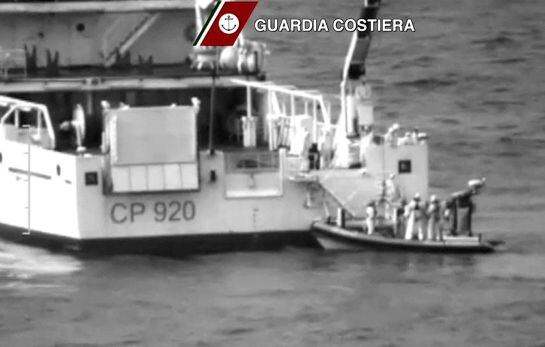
80,27
404,167
91,178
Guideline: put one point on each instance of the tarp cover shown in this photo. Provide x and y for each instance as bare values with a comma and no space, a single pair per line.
154,135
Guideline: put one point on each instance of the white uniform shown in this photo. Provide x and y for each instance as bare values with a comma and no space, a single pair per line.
393,193
414,217
434,215
392,136
365,142
77,124
370,219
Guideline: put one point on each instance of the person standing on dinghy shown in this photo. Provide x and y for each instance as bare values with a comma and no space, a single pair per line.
414,216
77,126
434,217
399,219
392,195
370,220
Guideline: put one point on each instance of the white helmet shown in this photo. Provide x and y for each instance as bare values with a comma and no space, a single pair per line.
477,183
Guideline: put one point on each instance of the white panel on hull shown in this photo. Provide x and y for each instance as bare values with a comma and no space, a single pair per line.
138,178
156,178
53,184
121,177
154,135
190,176
153,149
172,177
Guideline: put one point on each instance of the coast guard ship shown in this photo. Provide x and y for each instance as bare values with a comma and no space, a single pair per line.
117,135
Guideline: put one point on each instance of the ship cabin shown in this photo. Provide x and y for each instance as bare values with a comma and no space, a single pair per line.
121,81
103,76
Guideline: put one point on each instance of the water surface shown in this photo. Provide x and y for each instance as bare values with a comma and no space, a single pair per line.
472,75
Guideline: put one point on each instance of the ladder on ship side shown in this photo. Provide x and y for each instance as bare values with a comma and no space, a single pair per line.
28,177
128,40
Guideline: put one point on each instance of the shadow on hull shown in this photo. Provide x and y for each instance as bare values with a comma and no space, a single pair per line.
169,246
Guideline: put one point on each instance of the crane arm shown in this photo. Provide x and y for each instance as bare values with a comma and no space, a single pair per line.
354,66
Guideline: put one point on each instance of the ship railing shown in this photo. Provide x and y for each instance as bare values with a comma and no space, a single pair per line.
12,63
286,102
19,119
299,120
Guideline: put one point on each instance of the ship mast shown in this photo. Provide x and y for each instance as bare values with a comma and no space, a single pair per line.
353,77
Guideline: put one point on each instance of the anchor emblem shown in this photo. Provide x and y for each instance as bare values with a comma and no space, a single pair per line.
229,23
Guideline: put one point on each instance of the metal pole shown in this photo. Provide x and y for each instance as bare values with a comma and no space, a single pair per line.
28,180
212,102
248,102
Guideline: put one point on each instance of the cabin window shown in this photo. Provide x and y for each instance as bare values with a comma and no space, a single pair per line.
30,119
251,162
404,167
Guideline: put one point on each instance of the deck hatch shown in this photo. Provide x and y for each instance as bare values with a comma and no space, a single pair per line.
153,149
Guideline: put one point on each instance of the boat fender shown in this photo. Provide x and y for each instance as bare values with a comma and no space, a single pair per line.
341,217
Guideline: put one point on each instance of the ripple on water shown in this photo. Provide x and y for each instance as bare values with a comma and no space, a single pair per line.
514,267
427,83
492,43
25,269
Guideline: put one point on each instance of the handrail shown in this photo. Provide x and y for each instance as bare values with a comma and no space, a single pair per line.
16,105
280,89
291,91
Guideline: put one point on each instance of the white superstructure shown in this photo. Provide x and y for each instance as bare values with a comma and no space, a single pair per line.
100,150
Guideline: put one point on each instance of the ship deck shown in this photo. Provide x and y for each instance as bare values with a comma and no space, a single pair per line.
96,151
90,78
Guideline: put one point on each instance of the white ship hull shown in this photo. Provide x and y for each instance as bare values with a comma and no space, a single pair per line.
66,210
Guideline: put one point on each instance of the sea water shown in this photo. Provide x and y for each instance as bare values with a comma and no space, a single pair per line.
472,76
